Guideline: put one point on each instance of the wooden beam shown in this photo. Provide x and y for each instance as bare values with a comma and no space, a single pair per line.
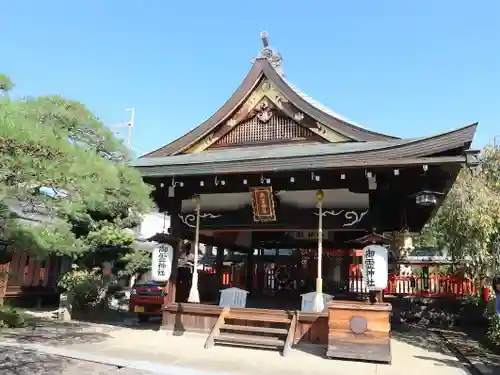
408,178
290,337
287,216
216,330
219,265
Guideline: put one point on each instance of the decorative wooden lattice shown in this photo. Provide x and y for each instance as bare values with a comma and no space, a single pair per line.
254,130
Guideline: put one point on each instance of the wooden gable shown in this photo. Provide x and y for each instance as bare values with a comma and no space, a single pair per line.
267,109
278,129
266,117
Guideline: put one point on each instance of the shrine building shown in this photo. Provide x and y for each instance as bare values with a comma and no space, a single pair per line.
274,180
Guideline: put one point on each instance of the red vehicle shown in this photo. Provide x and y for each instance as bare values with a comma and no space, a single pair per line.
146,299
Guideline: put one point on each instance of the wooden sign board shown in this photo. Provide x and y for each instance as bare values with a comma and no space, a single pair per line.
263,204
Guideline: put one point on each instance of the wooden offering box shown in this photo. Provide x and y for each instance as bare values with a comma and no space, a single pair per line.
359,330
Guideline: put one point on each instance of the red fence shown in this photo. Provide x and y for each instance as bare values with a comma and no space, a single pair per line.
25,272
432,286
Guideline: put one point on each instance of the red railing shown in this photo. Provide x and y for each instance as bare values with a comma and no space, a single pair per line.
434,285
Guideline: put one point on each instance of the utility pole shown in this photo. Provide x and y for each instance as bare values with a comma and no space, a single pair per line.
129,125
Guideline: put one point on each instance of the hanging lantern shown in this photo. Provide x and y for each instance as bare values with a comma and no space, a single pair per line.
320,195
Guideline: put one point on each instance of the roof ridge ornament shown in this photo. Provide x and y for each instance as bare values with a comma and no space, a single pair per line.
269,53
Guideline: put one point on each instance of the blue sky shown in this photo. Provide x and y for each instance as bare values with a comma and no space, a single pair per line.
409,68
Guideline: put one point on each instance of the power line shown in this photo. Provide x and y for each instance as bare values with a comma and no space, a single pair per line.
129,125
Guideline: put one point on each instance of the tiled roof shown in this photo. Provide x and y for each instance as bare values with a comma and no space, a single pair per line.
268,152
319,105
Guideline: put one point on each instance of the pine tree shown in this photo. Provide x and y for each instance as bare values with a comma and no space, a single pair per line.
59,160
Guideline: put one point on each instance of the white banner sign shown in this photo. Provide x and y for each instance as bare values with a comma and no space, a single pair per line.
375,267
161,262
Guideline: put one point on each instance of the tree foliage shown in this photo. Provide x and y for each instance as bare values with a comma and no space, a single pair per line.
59,158
468,222
5,84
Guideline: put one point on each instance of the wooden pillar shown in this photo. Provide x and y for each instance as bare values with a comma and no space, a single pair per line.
346,262
374,205
380,296
250,268
219,265
260,272
175,232
208,252
171,287
4,279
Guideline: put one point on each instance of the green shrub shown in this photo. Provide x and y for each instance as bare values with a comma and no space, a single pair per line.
10,318
494,329
86,287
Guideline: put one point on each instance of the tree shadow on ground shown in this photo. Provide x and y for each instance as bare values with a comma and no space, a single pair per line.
116,318
440,340
442,362
473,346
56,333
18,361
418,336
103,316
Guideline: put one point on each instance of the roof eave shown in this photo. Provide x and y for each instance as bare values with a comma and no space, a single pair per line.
420,149
251,166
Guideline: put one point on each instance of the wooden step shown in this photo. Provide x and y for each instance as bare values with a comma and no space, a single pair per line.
237,328
258,318
248,340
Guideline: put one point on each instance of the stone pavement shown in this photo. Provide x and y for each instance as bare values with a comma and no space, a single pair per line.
21,361
414,352
23,358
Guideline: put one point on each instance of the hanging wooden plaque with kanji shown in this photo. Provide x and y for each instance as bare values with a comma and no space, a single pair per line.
263,204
